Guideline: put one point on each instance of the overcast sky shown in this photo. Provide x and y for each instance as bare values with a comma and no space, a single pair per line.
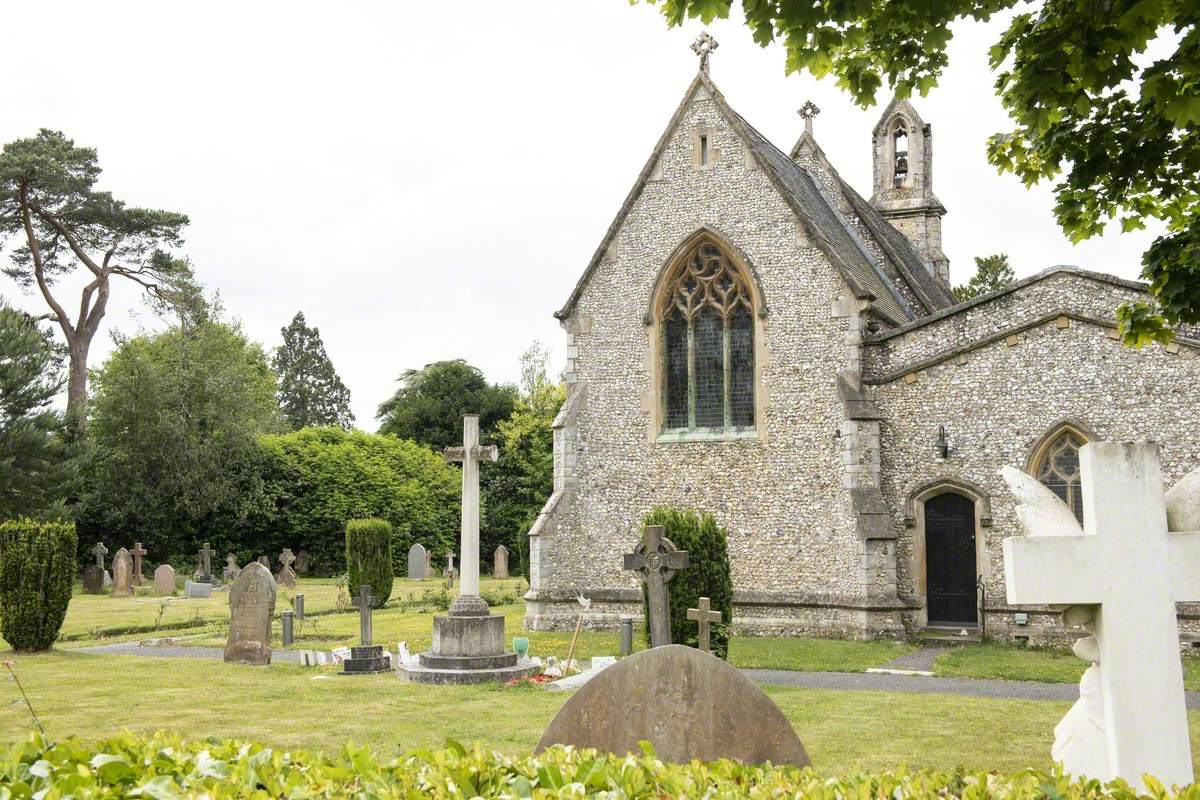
428,180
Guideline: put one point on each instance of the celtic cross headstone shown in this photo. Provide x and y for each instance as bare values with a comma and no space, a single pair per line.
655,560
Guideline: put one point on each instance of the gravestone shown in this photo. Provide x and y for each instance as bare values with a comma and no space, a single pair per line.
99,551
1120,575
93,579
286,576
703,615
303,562
251,605
197,590
137,552
164,580
450,571
367,657
687,703
122,574
500,563
204,559
417,559
655,560
265,561
429,573
231,568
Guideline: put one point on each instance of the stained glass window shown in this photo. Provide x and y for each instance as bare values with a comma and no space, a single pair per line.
1058,470
708,346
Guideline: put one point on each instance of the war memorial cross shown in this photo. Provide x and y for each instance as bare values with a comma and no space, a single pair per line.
470,455
1127,565
703,616
655,560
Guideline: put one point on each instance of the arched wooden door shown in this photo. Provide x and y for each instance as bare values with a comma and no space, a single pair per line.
950,569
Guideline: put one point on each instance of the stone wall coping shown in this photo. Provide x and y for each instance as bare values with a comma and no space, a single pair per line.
741,597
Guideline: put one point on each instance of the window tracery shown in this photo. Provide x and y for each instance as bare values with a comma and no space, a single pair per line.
1057,467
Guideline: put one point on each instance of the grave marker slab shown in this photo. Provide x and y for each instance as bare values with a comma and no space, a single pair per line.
164,580
703,615
205,561
417,559
99,551
231,568
286,576
687,703
93,579
500,563
122,574
193,589
303,562
251,605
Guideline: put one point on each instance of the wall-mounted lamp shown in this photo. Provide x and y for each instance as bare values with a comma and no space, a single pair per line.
942,444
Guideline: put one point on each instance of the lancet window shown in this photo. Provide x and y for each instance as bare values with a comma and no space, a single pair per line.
900,156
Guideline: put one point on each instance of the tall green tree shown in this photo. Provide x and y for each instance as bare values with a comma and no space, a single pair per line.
49,203
310,392
429,405
36,454
991,273
1116,130
176,418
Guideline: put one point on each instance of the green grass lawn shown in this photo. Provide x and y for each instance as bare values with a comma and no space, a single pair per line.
91,696
990,660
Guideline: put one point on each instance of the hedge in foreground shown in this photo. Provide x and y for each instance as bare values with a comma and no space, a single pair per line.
165,766
37,570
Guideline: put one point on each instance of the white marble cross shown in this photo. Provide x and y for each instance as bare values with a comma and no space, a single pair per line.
470,454
1127,572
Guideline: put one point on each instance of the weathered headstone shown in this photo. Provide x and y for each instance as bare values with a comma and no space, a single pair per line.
655,560
93,579
303,562
367,657
137,552
122,574
164,580
687,703
450,571
286,576
417,559
231,568
429,573
251,604
500,563
1119,576
205,563
193,589
265,561
703,615
99,551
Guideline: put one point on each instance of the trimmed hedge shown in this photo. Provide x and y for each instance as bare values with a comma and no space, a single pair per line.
707,575
164,766
37,572
369,558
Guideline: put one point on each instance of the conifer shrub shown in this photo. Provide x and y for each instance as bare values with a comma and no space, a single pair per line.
37,572
369,558
707,575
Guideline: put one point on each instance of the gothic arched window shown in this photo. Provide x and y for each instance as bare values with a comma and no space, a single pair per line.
708,345
1056,465
900,155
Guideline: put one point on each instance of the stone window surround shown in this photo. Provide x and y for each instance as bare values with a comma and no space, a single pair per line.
914,518
710,135
656,395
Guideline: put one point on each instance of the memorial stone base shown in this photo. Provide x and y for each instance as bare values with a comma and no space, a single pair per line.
468,648
366,660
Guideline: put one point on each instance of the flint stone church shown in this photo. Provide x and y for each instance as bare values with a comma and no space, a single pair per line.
755,339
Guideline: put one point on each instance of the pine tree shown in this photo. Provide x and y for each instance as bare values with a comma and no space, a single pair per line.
310,392
991,273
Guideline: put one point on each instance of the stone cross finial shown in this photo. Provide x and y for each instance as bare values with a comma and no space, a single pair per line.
807,112
365,601
1119,576
703,47
100,551
206,554
137,552
655,560
471,454
286,558
704,616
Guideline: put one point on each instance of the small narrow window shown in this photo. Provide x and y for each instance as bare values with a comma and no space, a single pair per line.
704,149
900,148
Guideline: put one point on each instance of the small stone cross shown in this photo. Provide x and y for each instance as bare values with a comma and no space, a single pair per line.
704,616
206,554
655,560
1127,571
365,601
808,111
286,558
100,551
137,552
703,47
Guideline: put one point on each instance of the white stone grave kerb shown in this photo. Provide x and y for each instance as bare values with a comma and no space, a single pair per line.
1129,572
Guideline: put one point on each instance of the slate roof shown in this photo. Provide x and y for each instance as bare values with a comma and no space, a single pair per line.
824,224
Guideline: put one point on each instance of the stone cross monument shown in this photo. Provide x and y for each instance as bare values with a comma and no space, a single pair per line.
99,551
206,554
470,455
703,616
365,658
1120,576
137,552
655,560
